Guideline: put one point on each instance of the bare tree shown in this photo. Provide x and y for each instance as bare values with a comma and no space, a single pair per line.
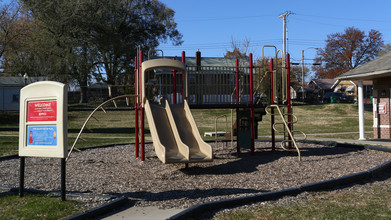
345,51
239,49
9,15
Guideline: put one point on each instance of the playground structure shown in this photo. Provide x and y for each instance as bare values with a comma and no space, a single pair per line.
166,89
251,90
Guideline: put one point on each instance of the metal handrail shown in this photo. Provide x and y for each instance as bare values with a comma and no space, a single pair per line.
287,128
154,50
295,120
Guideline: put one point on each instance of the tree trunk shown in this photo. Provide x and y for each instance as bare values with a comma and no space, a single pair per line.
83,94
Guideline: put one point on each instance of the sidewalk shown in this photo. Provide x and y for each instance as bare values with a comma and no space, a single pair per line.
142,213
368,142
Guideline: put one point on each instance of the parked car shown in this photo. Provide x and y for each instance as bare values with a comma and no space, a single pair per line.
336,97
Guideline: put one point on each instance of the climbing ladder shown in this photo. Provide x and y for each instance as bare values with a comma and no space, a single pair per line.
287,131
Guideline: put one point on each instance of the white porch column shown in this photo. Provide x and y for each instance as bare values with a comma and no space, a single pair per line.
361,110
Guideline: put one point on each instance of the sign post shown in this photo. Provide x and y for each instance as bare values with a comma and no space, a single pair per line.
43,125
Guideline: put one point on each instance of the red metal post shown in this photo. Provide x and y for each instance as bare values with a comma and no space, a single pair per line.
183,77
237,103
289,102
251,104
272,102
174,84
141,109
237,80
136,143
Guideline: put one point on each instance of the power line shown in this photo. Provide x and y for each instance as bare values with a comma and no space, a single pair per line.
344,18
222,18
321,23
255,43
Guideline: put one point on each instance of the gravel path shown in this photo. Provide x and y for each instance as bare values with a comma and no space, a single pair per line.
114,170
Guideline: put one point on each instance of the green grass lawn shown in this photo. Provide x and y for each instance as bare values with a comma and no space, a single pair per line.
36,206
318,119
117,126
373,203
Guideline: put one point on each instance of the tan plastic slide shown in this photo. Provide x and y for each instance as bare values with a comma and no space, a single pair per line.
175,135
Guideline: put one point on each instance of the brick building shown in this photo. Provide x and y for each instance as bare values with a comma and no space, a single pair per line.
379,71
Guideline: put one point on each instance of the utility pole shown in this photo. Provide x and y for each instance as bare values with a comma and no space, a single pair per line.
284,52
283,16
302,76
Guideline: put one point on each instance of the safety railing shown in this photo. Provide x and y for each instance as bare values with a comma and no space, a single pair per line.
208,85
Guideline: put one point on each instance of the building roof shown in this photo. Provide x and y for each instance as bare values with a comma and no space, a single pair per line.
19,81
212,61
339,81
377,68
307,88
324,83
100,85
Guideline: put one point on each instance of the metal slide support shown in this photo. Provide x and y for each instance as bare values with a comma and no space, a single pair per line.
136,128
142,147
251,103
271,103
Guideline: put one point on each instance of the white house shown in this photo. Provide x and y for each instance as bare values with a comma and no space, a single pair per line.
10,91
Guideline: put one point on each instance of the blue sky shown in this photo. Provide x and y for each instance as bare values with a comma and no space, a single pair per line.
210,25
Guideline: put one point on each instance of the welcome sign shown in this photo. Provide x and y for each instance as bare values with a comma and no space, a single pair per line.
42,111
43,120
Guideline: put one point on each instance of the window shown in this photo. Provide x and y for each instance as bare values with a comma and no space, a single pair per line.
15,98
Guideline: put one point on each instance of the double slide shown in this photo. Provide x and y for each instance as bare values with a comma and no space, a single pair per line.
175,135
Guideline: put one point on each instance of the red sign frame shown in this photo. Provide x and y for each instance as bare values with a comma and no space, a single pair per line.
42,111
